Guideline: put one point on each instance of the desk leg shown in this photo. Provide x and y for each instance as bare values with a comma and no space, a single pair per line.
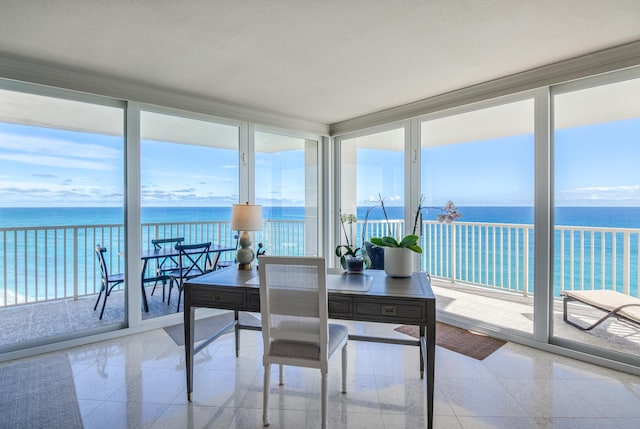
237,332
189,323
144,293
431,365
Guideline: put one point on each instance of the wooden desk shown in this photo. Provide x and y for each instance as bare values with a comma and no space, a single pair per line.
368,297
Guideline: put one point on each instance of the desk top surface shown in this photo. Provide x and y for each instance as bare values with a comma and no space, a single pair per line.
370,282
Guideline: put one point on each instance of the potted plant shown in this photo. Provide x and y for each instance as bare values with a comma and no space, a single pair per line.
352,259
397,256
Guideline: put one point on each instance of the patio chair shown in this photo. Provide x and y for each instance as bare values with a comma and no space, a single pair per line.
615,304
295,328
193,261
108,281
164,265
228,262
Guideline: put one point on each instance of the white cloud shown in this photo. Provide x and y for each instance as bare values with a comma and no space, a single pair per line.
55,161
52,146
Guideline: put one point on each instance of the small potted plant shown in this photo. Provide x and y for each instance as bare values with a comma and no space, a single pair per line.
352,259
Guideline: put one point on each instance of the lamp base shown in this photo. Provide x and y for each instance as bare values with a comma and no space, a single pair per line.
246,267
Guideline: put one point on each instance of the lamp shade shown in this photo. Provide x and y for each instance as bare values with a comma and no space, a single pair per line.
246,217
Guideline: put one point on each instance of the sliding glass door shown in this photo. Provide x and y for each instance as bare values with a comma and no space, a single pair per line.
188,181
61,196
372,187
597,212
479,250
286,185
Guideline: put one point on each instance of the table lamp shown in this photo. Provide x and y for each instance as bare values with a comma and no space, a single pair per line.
246,217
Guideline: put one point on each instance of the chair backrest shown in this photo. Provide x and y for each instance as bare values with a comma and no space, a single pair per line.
376,254
100,251
293,300
194,259
158,242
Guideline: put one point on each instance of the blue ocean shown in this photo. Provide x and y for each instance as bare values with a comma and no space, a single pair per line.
616,217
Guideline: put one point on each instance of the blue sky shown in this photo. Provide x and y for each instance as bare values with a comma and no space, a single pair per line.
596,165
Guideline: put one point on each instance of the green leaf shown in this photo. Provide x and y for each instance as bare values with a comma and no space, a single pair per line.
408,241
415,248
376,241
389,242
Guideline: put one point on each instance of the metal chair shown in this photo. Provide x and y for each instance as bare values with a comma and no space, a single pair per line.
193,261
164,265
108,281
227,262
295,328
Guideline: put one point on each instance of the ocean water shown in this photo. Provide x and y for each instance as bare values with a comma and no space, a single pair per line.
616,217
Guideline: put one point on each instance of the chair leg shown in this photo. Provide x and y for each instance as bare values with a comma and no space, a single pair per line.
104,303
169,294
98,300
325,399
266,420
179,296
344,368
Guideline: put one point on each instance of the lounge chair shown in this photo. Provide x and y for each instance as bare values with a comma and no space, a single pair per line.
615,304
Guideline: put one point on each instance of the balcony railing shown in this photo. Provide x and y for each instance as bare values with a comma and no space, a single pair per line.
48,263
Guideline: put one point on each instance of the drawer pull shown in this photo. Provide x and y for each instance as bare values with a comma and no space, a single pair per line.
388,310
217,297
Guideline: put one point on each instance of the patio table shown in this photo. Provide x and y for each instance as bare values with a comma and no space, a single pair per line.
170,252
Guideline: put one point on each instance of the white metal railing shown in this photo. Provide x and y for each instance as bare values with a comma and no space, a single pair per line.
48,263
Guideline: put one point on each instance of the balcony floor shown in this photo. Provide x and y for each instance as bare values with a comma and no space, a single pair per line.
515,312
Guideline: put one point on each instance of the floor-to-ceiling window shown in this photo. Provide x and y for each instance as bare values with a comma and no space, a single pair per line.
286,185
596,133
477,176
372,186
189,180
61,195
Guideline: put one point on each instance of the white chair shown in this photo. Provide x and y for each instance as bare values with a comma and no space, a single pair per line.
295,328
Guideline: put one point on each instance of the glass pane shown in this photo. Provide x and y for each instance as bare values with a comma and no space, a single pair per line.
597,214
286,185
61,194
188,180
371,171
482,262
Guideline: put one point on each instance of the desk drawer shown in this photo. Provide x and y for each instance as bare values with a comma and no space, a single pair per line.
391,311
216,298
340,307
253,300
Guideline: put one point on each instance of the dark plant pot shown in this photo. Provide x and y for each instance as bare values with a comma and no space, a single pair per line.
355,264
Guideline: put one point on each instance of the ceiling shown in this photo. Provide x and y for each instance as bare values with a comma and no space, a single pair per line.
319,61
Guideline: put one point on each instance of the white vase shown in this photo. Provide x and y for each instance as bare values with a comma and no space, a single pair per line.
398,261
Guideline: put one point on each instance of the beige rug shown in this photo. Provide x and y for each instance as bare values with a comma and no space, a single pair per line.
474,345
39,393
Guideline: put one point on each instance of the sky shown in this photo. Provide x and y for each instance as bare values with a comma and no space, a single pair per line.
596,165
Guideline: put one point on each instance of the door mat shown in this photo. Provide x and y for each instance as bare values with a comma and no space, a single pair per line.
39,393
204,328
474,345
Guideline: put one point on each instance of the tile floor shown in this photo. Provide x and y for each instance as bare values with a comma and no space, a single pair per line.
138,381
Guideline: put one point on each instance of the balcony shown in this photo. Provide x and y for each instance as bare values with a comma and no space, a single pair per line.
480,271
